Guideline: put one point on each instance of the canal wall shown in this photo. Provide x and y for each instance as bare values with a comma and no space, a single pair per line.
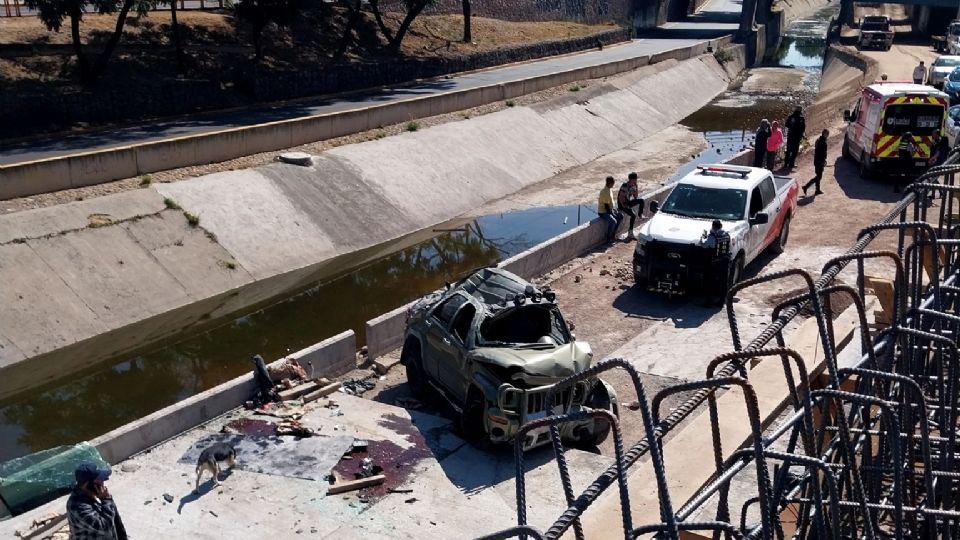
845,71
89,168
91,280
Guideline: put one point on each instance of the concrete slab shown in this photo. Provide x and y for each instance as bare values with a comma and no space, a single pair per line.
40,311
113,274
197,262
76,215
253,220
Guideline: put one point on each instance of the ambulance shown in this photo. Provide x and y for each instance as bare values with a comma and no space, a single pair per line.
885,111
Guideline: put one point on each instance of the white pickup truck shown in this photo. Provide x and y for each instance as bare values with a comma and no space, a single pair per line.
754,206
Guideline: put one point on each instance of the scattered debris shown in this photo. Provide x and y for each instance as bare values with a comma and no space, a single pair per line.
298,390
41,525
129,466
168,497
322,392
356,484
280,410
288,369
633,405
294,428
577,278
356,387
395,490
410,500
212,513
366,467
359,445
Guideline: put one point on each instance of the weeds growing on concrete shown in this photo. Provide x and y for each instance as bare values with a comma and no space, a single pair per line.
192,219
146,180
722,56
412,126
232,265
171,204
575,88
509,103
380,134
211,236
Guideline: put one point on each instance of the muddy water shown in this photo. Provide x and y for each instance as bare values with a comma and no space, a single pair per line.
731,119
127,388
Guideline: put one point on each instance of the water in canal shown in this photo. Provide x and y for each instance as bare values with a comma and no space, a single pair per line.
127,388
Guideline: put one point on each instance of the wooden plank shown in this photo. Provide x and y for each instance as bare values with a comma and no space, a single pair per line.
687,455
299,390
324,391
356,484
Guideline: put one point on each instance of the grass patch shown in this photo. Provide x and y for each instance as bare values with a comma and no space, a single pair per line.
170,203
146,180
722,56
380,134
231,265
575,88
510,103
413,126
211,236
192,219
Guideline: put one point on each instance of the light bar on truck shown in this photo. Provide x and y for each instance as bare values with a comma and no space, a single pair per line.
724,169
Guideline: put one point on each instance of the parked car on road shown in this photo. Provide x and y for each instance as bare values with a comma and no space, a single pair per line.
875,32
953,124
493,345
941,68
754,206
951,85
953,37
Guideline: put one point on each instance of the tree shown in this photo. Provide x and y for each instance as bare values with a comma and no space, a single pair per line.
413,10
175,31
467,31
53,12
353,6
260,13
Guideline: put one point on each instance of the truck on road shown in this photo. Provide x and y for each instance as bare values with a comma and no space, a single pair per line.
754,206
875,32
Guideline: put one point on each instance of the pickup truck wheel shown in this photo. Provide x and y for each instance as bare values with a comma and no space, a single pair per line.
416,378
472,420
780,245
736,272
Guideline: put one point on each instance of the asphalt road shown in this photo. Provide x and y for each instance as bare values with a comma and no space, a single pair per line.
671,36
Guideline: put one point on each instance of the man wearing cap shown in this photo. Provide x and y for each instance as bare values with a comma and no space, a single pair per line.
90,509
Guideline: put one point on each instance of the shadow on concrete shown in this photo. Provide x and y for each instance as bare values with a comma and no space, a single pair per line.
204,488
877,188
683,311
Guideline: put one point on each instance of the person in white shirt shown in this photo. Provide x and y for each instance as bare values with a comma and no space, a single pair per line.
919,73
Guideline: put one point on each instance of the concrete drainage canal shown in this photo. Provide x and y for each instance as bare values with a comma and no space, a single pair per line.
124,389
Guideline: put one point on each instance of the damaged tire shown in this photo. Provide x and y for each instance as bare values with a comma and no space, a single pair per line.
473,425
416,378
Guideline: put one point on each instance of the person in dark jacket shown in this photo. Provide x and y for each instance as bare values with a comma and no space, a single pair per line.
628,198
796,125
905,151
819,162
760,143
941,150
91,512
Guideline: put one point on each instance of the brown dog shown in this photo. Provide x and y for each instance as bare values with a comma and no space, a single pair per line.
210,460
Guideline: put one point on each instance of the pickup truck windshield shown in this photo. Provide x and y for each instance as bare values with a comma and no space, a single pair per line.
946,62
706,203
874,27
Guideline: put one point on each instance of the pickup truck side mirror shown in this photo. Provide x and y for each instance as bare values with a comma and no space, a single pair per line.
760,218
654,206
847,117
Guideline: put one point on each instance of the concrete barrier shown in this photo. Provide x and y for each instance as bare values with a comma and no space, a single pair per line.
331,357
31,178
385,333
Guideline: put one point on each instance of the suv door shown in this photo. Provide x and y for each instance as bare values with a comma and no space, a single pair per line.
452,366
438,344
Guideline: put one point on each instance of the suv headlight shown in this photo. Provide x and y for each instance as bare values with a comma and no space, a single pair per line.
641,249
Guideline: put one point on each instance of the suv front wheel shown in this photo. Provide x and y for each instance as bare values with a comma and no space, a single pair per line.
473,420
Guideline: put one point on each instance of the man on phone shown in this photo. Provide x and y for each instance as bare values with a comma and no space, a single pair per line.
90,509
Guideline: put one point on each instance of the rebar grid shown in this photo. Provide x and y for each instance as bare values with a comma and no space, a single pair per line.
872,454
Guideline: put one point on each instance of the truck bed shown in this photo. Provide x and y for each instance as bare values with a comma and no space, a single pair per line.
782,182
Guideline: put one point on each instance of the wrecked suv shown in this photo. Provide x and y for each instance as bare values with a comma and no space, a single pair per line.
492,345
